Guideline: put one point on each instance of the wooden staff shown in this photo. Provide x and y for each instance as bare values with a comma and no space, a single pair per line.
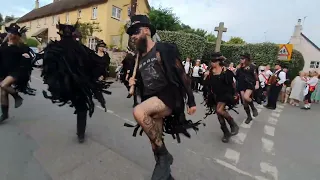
131,92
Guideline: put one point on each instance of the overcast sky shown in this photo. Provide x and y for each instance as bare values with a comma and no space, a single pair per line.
253,20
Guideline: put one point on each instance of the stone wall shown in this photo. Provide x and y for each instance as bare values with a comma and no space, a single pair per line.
116,57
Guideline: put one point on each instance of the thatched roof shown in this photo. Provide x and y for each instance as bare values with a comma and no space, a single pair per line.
60,7
57,8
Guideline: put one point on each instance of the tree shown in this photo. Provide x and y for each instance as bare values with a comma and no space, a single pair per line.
1,19
9,18
236,40
211,37
87,29
164,19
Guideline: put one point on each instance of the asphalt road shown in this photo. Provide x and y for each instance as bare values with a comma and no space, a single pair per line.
39,143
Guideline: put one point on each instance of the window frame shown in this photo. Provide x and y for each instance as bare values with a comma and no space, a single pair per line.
94,13
79,13
118,12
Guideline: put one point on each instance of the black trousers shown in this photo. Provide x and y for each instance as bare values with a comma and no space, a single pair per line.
81,111
196,83
273,95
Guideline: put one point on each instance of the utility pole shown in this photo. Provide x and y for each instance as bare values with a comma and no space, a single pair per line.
133,7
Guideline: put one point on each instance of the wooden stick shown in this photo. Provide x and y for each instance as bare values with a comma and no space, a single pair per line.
131,92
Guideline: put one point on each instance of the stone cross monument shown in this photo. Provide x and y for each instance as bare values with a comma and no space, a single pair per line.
221,29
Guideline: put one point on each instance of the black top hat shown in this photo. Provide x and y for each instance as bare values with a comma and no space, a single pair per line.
138,21
15,29
66,30
101,44
246,56
217,56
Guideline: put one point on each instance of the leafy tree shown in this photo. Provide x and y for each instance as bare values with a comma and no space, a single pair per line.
87,29
211,37
1,19
164,19
31,42
236,40
9,18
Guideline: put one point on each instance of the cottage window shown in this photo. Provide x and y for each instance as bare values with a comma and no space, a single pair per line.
314,64
45,21
116,12
79,13
94,12
30,24
38,23
92,42
67,18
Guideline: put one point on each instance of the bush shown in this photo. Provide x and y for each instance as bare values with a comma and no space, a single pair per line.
32,42
189,45
261,54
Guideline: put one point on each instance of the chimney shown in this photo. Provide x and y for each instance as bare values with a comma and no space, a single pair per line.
37,4
297,29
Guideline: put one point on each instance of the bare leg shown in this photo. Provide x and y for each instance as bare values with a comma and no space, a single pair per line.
247,96
149,115
6,86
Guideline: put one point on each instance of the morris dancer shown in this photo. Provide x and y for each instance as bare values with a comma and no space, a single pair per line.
221,93
247,77
163,89
69,70
12,54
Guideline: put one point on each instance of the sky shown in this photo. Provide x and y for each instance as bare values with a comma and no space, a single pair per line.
253,20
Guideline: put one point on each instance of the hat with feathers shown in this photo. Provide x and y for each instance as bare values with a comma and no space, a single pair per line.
16,29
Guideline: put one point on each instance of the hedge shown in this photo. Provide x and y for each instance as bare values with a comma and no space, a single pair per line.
197,47
190,45
32,42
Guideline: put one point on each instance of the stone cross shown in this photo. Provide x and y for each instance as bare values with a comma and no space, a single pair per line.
221,29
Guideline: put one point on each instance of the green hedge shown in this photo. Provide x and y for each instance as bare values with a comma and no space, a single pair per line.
190,45
32,42
262,53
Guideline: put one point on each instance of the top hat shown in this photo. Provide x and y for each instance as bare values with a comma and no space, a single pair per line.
138,21
101,44
15,29
217,56
66,30
246,56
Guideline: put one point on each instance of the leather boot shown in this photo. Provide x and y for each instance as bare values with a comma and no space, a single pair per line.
249,117
81,125
17,100
226,133
254,109
162,169
5,113
234,128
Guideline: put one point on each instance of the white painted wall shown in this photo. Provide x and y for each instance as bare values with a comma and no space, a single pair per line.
309,52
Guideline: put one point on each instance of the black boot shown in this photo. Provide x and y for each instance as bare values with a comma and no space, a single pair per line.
17,100
226,133
249,117
81,125
234,128
5,113
162,169
254,109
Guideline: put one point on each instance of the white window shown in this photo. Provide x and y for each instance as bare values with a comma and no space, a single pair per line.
45,21
92,42
79,13
38,23
54,20
129,11
116,12
67,18
94,12
315,64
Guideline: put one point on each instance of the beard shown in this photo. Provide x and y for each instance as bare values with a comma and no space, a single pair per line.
142,45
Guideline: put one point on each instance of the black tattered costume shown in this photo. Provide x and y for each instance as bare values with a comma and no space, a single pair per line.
70,71
219,92
15,62
247,77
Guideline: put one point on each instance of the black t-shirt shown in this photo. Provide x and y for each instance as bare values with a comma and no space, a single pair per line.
10,59
222,83
245,74
152,73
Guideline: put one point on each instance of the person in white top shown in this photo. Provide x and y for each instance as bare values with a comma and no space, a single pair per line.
312,83
267,72
196,75
187,66
276,83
